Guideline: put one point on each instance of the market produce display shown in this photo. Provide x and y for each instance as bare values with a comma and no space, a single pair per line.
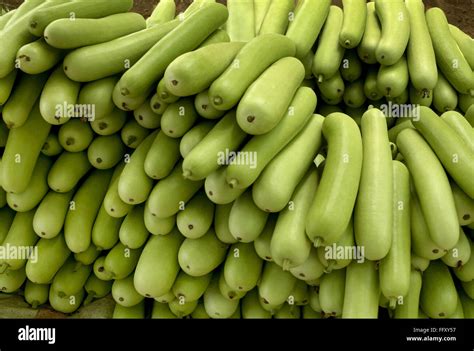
263,159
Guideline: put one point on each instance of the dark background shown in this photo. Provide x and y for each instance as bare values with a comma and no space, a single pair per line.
459,12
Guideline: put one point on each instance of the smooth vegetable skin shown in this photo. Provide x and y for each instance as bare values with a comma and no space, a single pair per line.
187,36
373,214
308,20
449,57
355,14
432,187
395,23
241,22
332,206
361,297
411,302
371,37
451,150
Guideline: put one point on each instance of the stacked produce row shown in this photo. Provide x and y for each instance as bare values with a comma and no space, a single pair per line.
179,164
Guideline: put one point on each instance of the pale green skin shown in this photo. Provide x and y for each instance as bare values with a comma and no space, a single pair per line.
467,305
361,297
149,281
308,21
26,141
68,170
468,288
36,190
38,57
12,280
394,269
129,103
194,137
459,254
133,134
465,273
462,127
227,291
193,72
431,182
260,10
23,98
124,293
164,12
133,232
332,206
370,85
51,146
204,107
438,297
314,299
288,311
6,86
100,271
373,213
67,34
241,22
445,97
253,59
111,123
218,190
106,152
251,307
166,298
164,94
267,100
221,224
204,157
410,306
219,36
262,243
198,257
179,118
464,205
309,270
276,19
353,27
392,80
157,105
309,313
134,185
70,279
162,310
54,253
447,50
395,24
329,54
134,312
88,199
331,292
464,42
140,77
242,267
420,53
216,305
59,90
290,246
75,136
146,117
20,234
121,261
246,220
158,226
89,256
97,288
113,204
267,146
276,284
332,89
67,304
347,239
162,156
101,8
421,241
299,294
419,263
196,219
189,288
170,193
36,294
182,309
99,94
